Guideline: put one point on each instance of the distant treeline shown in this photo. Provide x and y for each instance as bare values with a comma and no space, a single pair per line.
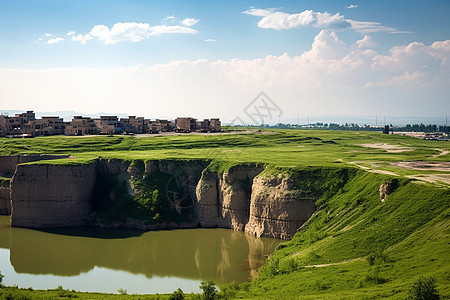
356,127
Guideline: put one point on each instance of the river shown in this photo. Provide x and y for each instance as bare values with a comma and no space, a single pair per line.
104,260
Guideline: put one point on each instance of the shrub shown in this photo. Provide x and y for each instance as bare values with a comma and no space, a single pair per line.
229,290
424,289
177,295
287,266
375,277
1,277
209,290
122,291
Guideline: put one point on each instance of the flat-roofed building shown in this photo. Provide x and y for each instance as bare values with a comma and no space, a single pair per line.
215,125
81,126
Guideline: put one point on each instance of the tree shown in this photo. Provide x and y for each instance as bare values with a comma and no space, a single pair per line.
177,295
386,129
1,277
424,289
209,290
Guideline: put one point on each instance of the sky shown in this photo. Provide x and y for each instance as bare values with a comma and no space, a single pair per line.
242,61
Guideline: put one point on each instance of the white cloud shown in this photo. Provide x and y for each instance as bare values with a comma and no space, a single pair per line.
55,40
70,33
134,32
162,29
210,40
410,81
189,22
280,20
352,6
81,38
366,42
326,46
259,12
48,34
331,78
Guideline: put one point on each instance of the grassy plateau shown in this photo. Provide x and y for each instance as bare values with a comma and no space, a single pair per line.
353,247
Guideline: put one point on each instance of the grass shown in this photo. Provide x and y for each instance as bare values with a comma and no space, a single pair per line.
353,247
282,148
363,248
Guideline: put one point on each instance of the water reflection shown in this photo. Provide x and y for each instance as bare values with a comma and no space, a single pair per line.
218,254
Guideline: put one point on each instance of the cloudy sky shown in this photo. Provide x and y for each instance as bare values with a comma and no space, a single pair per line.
212,58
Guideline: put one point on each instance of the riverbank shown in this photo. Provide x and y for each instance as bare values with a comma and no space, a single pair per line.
367,203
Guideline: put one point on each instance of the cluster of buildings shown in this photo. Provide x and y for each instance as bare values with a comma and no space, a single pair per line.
26,125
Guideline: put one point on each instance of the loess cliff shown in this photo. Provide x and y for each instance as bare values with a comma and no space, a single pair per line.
160,194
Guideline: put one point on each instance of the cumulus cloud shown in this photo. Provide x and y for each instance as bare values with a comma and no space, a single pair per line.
189,22
70,33
55,40
210,40
331,78
133,32
352,6
81,38
48,34
365,42
280,20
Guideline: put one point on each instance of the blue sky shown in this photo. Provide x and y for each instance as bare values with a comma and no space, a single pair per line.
211,51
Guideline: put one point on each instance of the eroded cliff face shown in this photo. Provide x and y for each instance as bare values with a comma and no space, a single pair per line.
278,208
224,199
51,195
242,198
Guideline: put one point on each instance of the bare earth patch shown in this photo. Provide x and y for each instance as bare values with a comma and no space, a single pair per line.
432,177
442,166
334,264
388,148
443,152
371,169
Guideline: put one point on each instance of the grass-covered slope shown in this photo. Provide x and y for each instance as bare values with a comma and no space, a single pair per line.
354,246
357,247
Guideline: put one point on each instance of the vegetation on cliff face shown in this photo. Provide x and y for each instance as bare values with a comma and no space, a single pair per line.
353,247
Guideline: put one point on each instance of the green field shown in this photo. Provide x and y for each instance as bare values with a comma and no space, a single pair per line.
354,246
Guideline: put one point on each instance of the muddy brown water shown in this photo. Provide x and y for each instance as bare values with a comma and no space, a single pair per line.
104,260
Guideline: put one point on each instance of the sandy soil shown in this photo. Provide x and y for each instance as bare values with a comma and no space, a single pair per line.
443,152
441,166
432,177
388,148
372,170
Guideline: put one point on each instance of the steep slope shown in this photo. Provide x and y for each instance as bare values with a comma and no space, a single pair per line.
356,246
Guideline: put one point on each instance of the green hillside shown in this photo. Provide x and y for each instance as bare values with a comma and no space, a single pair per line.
355,246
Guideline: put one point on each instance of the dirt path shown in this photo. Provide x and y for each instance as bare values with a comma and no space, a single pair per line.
441,166
371,169
443,152
334,264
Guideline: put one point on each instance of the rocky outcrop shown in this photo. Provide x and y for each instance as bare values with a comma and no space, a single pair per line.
44,195
385,190
224,199
243,199
278,208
